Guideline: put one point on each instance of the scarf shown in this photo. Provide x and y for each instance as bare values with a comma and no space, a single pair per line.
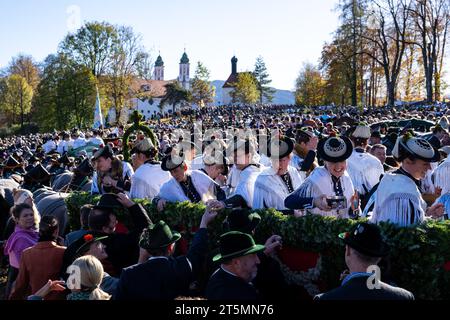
80,295
398,200
320,182
19,240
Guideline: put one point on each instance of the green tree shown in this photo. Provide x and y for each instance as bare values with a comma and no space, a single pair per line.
16,98
114,54
66,94
202,90
262,78
309,86
246,89
349,37
93,46
78,89
25,66
129,59
52,112
175,94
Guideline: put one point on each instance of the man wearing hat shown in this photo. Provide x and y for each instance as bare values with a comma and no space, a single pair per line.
438,132
328,191
111,174
375,138
122,249
89,244
11,166
185,185
304,154
244,173
398,197
163,276
36,178
364,169
242,152
239,266
364,248
146,182
269,281
274,184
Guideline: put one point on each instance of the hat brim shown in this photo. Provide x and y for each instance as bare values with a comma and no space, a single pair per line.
175,237
345,156
384,250
164,166
290,147
87,243
255,249
436,157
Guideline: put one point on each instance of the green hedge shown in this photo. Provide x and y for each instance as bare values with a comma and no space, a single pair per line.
416,261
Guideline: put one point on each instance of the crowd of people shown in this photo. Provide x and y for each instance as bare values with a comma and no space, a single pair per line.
382,164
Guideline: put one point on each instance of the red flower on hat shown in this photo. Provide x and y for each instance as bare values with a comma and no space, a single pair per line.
88,237
346,235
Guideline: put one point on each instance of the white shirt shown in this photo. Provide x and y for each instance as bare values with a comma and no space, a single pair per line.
146,182
97,141
49,146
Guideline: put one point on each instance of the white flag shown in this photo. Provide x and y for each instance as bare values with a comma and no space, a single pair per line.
98,118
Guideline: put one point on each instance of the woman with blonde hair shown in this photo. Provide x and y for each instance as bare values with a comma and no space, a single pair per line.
86,274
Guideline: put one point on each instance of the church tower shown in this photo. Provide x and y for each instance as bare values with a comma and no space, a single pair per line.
158,73
183,78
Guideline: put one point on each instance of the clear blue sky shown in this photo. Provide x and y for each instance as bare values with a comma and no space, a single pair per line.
286,33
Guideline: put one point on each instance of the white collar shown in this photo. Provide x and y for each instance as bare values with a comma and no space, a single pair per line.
159,257
229,272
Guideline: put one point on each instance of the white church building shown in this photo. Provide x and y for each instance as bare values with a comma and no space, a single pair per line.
152,91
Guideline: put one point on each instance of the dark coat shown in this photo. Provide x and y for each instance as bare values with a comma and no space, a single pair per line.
356,289
123,249
163,278
224,286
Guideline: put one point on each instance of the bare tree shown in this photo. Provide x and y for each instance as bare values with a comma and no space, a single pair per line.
431,18
387,34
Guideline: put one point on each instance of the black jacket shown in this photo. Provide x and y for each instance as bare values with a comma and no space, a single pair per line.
224,286
356,289
123,249
163,278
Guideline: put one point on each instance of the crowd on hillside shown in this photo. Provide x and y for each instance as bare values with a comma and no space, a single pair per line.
382,164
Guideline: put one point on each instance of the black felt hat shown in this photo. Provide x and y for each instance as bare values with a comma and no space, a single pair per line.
85,167
80,246
11,163
66,160
105,152
108,201
242,220
279,148
38,174
171,162
335,149
366,239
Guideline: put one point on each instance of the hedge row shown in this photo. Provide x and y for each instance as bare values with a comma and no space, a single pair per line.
416,261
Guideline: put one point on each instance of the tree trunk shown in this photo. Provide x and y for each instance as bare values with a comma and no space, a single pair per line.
391,93
21,110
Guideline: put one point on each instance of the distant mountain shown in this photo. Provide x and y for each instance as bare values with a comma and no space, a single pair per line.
280,97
